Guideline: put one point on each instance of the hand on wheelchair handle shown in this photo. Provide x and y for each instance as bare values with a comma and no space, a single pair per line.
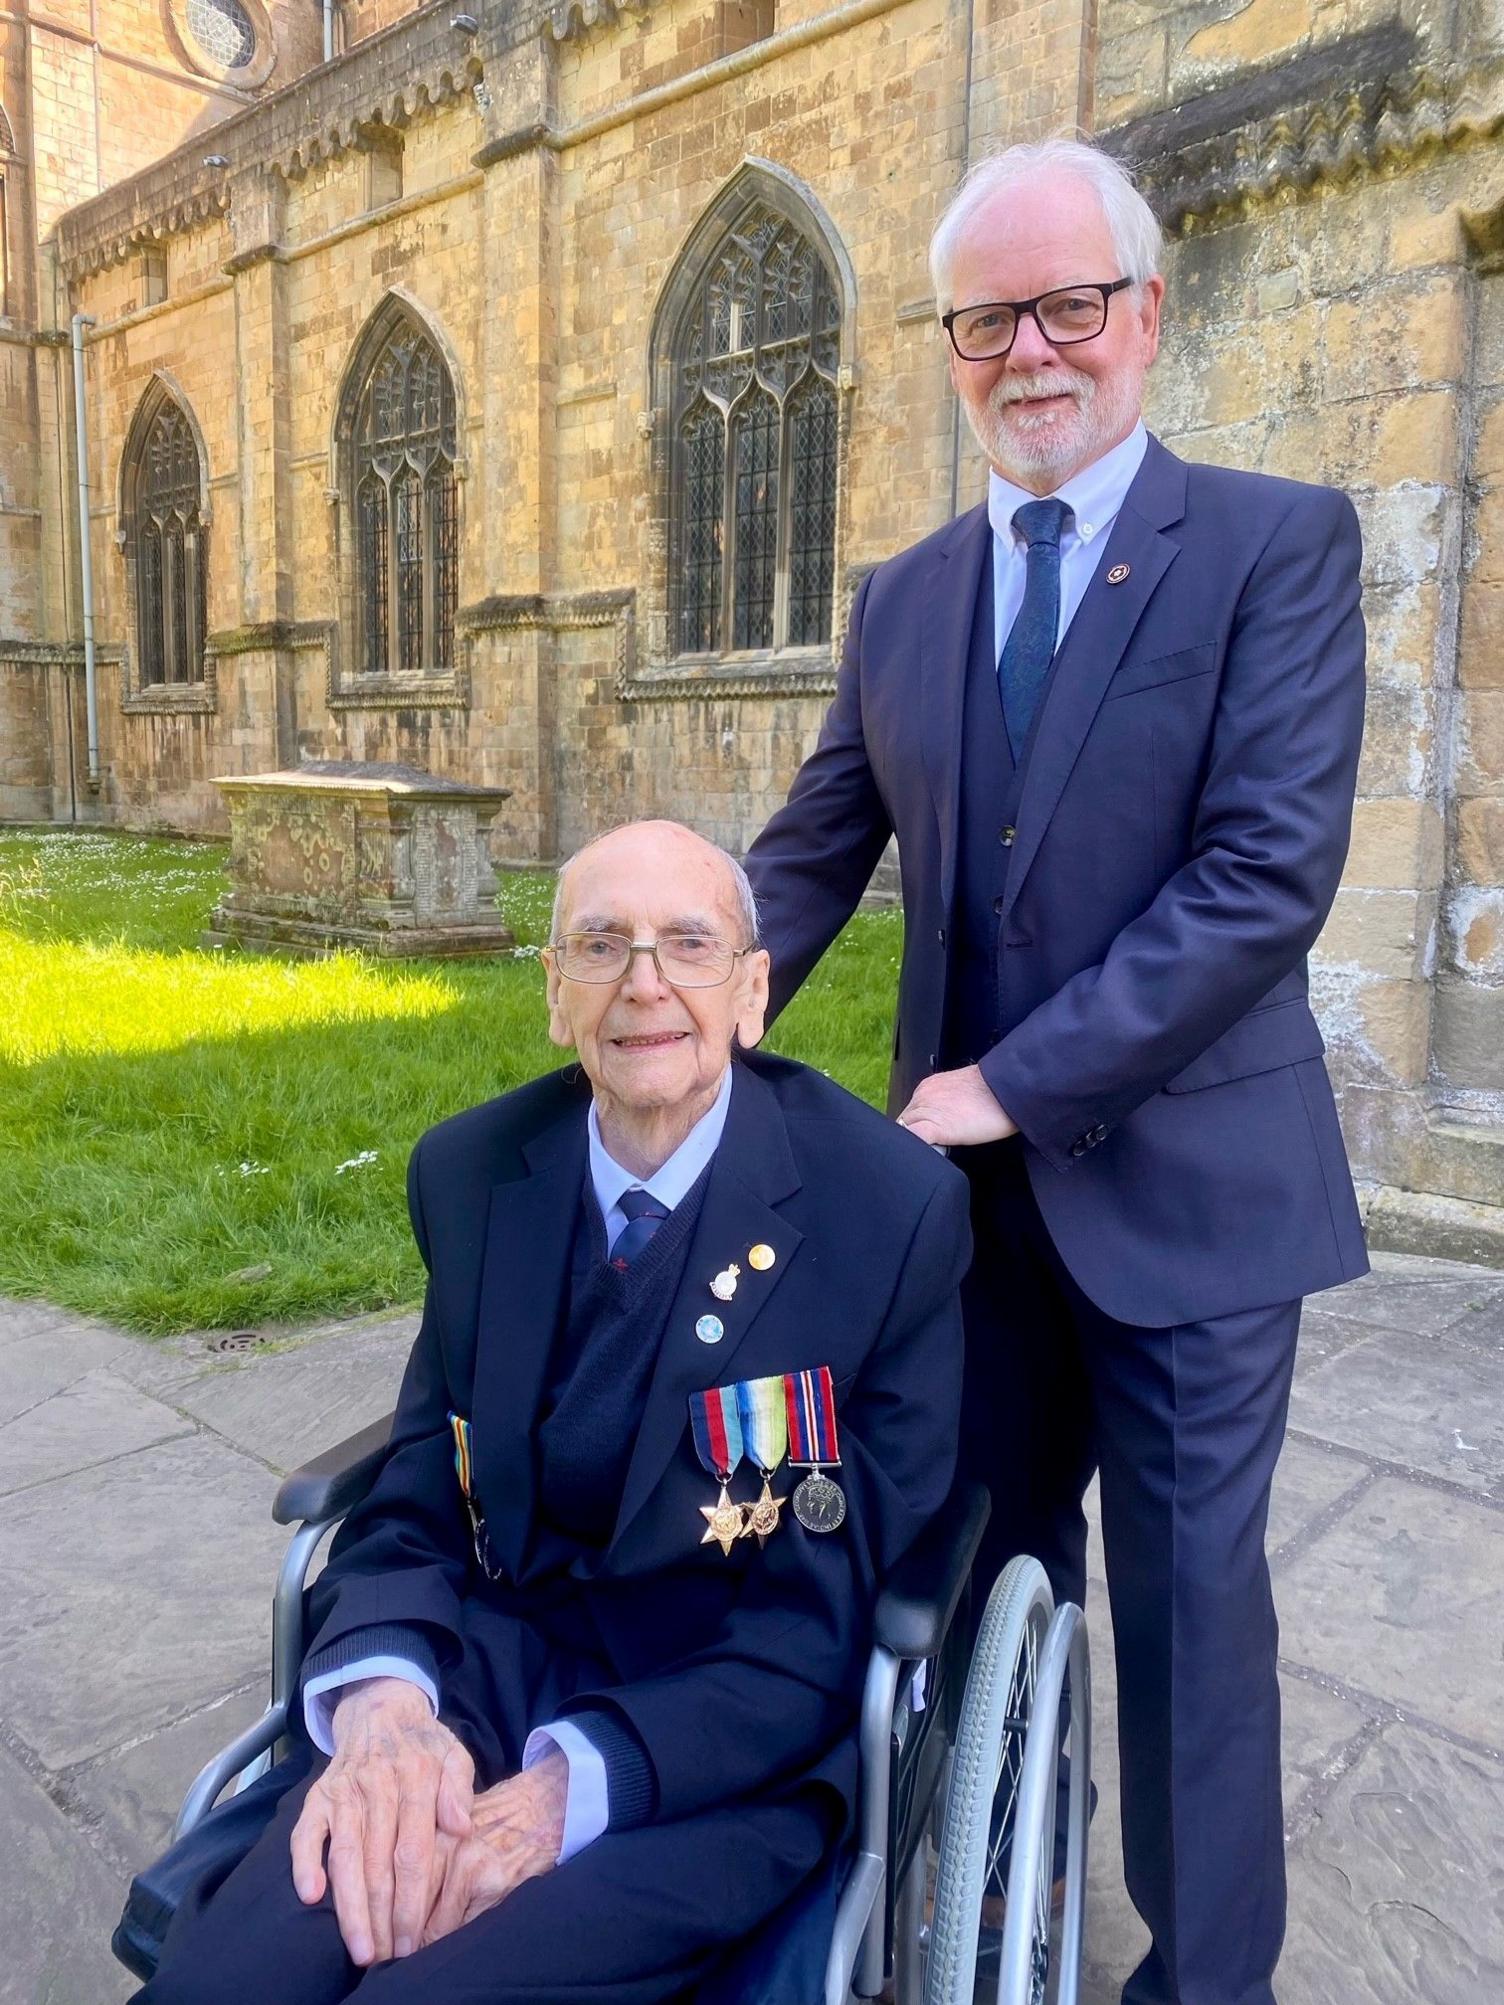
391,1806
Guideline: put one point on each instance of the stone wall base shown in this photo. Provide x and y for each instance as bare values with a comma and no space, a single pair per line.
305,939
1446,1228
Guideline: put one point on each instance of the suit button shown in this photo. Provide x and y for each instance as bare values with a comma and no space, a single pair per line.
941,936
997,905
1005,837
934,1060
1019,940
1099,1135
1078,1148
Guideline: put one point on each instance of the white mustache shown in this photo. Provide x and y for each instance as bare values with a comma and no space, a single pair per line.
1043,383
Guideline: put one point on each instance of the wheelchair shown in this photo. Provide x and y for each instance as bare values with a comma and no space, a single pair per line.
965,1750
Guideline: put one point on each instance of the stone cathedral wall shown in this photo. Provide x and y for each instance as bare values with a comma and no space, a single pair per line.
1333,182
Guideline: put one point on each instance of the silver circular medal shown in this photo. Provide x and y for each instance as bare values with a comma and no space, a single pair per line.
819,1504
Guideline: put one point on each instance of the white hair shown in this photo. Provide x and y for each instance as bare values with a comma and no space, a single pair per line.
746,897
1132,224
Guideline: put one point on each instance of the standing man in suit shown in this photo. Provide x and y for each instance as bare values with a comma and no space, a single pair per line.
581,1702
1113,717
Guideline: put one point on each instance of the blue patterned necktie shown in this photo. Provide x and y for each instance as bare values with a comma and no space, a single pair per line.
644,1215
1030,647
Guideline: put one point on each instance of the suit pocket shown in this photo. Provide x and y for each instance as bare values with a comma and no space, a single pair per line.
1280,1034
1162,668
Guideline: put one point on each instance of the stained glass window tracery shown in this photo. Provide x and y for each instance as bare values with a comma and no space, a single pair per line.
406,508
168,534
754,451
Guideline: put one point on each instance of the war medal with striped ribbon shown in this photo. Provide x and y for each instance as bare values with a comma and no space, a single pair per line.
819,1503
716,1423
766,1433
464,1468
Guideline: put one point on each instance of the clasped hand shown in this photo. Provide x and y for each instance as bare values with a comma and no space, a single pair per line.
956,1110
413,1852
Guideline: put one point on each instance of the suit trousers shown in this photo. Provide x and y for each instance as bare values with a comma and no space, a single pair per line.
638,1917
1184,1426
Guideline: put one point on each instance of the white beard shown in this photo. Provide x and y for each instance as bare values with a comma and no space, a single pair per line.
1054,443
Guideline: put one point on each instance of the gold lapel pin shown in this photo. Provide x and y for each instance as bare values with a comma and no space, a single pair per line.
723,1287
761,1257
1118,573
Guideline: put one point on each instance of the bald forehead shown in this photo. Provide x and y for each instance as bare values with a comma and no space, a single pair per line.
659,865
1053,202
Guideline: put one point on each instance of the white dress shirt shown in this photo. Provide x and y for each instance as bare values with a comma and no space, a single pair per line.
587,1807
1094,497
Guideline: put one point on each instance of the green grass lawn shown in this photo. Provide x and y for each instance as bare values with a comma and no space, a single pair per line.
194,1139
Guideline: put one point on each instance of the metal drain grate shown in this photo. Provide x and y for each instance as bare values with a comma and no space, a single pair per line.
237,1340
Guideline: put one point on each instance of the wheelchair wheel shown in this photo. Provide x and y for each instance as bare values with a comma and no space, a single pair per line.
1002,1782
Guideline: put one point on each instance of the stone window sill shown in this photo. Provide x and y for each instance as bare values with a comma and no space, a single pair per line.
795,671
401,692
170,699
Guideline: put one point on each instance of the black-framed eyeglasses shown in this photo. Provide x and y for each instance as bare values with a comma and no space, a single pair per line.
684,960
1070,314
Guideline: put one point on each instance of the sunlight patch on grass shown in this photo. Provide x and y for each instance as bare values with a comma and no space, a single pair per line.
76,996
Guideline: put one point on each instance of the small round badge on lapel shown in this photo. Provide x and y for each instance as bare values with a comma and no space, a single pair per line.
761,1257
1118,573
710,1329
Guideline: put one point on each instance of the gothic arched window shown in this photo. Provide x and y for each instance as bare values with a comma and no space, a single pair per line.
403,444
753,460
167,539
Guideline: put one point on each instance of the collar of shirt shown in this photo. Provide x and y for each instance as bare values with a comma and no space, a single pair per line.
672,1180
1094,495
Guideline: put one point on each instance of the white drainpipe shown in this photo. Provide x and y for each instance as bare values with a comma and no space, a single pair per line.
328,31
85,547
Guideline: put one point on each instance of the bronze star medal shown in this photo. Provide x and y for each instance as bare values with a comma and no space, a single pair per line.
723,1522
762,1517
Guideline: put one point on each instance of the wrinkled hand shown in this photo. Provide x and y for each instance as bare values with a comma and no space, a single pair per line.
517,1829
953,1110
392,1805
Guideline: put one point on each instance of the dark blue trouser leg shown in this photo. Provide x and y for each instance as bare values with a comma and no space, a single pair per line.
1186,1426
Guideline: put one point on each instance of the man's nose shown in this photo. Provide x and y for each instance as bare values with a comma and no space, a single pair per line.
1030,350
642,980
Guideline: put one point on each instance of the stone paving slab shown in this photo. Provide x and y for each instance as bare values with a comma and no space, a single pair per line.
1421,1401
45,1361
1404,1598
285,1406
1422,1296
58,1891
1307,1482
133,1796
133,1592
96,1419
1397,1892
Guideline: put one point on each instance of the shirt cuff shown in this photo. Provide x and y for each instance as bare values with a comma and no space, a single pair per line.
321,1694
587,1803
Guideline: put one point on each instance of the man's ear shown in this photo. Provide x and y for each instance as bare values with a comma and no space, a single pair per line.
559,1031
752,1012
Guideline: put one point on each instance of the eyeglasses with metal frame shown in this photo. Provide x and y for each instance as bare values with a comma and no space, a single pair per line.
1069,314
684,960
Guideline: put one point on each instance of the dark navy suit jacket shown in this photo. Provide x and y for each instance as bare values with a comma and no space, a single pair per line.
739,1674
1180,836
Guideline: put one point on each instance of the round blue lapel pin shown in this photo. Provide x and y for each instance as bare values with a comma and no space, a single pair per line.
710,1329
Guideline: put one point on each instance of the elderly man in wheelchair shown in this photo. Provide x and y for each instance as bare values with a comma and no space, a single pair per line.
579,1714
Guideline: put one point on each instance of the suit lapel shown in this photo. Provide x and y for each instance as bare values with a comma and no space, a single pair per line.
947,611
1095,644
753,1171
524,1286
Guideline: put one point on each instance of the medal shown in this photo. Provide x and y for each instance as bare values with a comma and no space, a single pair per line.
464,1468
761,1257
715,1421
819,1503
723,1287
765,1430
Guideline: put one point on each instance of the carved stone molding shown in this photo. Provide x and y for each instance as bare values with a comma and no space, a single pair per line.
537,612
1217,155
572,20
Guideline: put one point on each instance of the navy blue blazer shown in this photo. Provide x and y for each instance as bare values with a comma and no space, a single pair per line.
739,1673
1180,837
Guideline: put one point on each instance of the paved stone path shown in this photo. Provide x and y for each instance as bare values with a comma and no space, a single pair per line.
137,1553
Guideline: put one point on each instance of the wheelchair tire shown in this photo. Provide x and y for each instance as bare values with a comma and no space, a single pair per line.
987,1785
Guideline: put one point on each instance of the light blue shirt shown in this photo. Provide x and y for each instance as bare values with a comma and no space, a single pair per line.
587,1808
1094,496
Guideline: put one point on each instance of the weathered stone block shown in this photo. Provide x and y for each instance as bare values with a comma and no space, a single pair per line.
1396,844
1469,1035
1395,338
1475,931
1480,659
1396,1017
1480,839
1480,766
1388,933
376,856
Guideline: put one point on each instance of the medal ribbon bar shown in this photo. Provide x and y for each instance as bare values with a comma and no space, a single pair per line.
764,1416
715,1419
812,1432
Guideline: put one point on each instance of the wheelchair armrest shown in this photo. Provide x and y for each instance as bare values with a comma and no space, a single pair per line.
333,1483
919,1598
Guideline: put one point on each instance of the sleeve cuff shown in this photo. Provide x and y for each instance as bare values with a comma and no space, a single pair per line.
389,1651
587,1802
